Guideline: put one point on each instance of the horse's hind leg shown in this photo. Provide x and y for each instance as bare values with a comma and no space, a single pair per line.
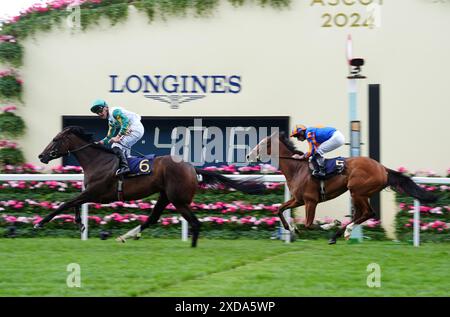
187,214
310,212
366,214
358,208
363,211
153,218
161,204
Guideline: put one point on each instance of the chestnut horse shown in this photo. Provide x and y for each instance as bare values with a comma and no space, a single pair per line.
175,181
362,176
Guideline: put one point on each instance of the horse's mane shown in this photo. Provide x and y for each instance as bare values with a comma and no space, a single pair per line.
88,137
289,144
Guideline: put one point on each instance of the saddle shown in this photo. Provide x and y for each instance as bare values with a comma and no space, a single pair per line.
142,165
333,167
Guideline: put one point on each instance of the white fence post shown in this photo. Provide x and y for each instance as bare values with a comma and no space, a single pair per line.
184,229
416,227
85,219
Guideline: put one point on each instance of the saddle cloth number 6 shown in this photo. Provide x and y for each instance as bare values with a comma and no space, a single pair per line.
144,166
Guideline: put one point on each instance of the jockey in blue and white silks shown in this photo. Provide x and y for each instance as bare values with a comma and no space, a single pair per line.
125,129
321,140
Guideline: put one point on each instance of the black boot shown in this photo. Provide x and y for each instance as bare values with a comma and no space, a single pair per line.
321,164
123,162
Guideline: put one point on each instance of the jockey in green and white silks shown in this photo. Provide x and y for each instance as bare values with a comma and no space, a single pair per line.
125,129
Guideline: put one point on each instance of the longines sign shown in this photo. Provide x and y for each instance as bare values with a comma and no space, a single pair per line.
175,89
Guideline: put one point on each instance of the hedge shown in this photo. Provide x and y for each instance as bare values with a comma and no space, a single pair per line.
224,212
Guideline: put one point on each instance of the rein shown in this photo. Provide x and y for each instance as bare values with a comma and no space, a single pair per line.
292,158
79,149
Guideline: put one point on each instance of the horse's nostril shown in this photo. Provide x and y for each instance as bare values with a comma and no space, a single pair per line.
40,156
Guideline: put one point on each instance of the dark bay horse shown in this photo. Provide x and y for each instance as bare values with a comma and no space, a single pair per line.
362,176
175,181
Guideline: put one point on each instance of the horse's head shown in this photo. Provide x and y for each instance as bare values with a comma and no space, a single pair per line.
62,144
264,148
277,144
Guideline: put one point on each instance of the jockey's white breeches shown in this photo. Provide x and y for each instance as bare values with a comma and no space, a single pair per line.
136,131
336,140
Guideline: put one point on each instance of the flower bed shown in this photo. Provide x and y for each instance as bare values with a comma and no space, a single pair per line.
212,226
434,218
224,212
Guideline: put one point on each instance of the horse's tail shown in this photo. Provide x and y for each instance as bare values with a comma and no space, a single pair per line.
404,184
248,186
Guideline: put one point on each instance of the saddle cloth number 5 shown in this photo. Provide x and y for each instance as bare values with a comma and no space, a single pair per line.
339,163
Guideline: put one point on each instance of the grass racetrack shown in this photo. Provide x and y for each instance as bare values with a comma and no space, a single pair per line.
170,267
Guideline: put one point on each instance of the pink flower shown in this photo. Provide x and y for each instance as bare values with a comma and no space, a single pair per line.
5,72
372,223
402,169
37,219
97,219
345,222
144,205
10,219
142,218
437,224
15,19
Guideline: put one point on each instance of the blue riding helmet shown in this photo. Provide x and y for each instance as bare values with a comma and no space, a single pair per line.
98,105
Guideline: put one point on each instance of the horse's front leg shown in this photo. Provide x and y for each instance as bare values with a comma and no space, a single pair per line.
74,202
291,203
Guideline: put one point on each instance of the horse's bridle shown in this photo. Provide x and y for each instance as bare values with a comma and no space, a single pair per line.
56,154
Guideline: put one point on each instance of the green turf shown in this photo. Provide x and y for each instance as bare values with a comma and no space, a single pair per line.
165,267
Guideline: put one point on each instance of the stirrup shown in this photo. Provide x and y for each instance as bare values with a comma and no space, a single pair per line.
121,171
319,173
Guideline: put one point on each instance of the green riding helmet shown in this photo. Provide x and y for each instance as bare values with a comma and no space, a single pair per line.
98,105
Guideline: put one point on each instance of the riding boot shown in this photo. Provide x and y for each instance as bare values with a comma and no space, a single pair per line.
123,162
321,164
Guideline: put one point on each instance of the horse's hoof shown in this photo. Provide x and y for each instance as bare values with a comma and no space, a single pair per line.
137,236
332,241
37,226
120,239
